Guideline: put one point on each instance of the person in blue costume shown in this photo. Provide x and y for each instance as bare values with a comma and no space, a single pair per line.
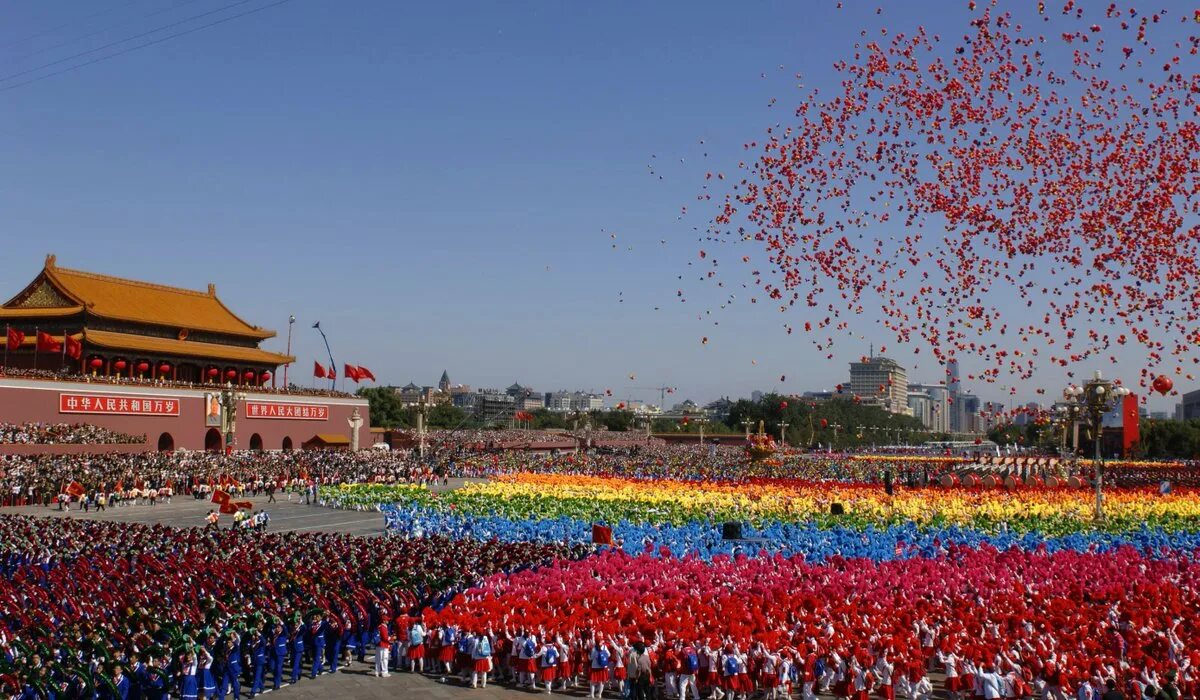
317,631
208,682
231,666
258,659
189,677
297,640
279,650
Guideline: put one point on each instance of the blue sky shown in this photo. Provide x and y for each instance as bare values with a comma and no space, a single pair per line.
437,183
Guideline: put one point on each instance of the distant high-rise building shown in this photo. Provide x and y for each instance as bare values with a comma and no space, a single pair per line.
756,396
444,382
939,406
953,381
881,381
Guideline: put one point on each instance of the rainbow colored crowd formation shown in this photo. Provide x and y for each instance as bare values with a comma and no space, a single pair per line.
1017,588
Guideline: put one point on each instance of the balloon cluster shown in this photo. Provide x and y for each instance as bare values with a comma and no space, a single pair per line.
991,194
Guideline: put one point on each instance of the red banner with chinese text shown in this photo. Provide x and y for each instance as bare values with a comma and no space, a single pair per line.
286,411
104,404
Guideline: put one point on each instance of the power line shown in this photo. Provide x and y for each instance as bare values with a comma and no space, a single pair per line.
81,37
131,49
72,23
109,45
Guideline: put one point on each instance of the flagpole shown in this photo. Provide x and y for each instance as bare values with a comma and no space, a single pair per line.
7,330
36,342
63,363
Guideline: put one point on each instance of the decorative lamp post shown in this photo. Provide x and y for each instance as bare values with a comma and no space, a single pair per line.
229,399
783,435
1090,402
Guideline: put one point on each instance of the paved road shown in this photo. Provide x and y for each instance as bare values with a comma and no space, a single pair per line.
287,515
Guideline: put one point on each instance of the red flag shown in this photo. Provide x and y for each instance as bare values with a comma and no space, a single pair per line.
47,343
228,508
332,372
75,489
601,534
351,373
15,338
318,370
221,497
364,373
74,347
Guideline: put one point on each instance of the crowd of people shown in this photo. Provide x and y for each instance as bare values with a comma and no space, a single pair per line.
64,434
92,608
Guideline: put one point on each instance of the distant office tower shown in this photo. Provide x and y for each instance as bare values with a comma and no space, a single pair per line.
881,381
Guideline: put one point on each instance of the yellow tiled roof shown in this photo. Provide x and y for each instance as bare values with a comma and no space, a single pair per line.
186,348
39,313
142,302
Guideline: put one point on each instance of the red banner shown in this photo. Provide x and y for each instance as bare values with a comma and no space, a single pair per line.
118,405
1130,432
286,411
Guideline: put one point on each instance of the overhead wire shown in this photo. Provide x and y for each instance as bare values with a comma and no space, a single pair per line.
147,44
51,30
111,44
74,40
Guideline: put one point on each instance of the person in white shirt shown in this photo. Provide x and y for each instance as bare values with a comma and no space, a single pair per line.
990,682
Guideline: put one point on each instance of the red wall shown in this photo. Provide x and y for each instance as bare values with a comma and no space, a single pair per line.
73,449
24,401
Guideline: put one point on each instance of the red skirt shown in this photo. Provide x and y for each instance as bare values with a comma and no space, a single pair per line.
599,675
742,683
446,654
863,694
548,673
888,691
841,689
564,669
769,680
619,673
417,652
954,683
483,665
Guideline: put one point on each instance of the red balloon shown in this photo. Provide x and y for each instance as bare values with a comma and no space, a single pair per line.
1163,384
783,405
824,423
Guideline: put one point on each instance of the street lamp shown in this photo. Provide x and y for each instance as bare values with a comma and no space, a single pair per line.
229,399
1090,402
291,322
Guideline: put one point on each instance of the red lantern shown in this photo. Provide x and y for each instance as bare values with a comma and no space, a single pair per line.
783,405
120,365
978,441
824,423
248,375
231,374
142,367
164,368
213,372
96,363
266,377
1163,384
